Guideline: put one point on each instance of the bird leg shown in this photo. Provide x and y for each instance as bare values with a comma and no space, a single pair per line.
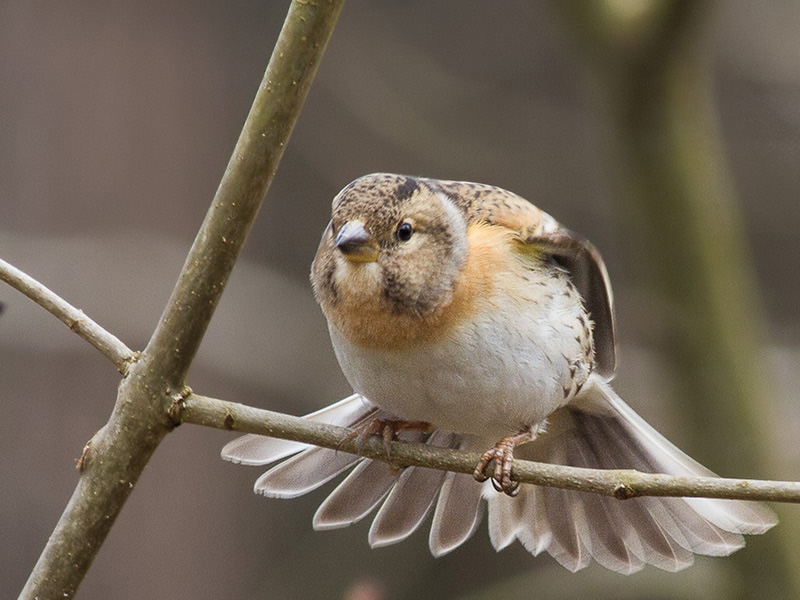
503,455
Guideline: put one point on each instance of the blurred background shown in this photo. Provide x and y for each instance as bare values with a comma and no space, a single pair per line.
666,132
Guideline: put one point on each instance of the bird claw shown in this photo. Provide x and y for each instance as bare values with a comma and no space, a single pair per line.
388,430
503,456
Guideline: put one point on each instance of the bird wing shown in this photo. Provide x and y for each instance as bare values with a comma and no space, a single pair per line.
538,229
588,273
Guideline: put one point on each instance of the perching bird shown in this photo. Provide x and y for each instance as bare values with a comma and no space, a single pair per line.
465,317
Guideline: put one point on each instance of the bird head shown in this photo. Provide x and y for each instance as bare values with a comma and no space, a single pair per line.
394,245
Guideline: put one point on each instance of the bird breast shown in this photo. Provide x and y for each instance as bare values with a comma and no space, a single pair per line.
519,353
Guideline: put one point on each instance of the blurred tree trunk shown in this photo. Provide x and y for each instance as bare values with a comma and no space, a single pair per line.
650,63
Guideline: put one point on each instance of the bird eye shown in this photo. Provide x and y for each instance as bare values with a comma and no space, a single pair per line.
405,231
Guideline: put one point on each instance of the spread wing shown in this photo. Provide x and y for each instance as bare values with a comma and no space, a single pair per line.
577,255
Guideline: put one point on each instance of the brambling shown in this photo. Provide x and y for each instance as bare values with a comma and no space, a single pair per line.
465,317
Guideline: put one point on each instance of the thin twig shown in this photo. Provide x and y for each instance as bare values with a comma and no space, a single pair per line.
118,453
621,484
107,343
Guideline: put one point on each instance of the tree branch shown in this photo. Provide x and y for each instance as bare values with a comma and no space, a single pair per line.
249,173
108,344
621,484
114,459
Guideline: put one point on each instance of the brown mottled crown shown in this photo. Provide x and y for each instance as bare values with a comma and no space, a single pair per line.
382,196
376,199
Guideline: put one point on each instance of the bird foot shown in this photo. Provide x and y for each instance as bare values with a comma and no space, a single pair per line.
503,456
388,430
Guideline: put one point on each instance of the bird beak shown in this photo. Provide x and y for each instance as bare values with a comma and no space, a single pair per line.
356,244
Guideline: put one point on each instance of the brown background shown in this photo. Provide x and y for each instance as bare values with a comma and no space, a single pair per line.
116,122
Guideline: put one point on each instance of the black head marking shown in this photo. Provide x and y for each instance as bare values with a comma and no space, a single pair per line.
406,188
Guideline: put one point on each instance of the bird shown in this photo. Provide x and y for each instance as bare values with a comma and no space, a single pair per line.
463,316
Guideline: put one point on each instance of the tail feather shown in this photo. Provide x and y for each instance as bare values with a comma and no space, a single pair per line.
304,473
409,501
505,522
695,532
534,529
671,546
314,466
253,449
656,520
567,527
596,430
597,445
458,511
661,456
356,496
614,543
706,538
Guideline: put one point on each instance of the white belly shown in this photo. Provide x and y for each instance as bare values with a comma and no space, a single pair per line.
505,370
